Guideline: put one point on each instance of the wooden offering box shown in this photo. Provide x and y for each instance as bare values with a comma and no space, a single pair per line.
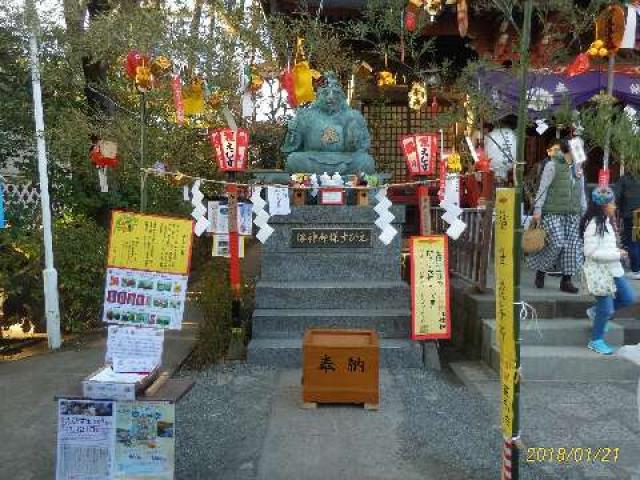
340,366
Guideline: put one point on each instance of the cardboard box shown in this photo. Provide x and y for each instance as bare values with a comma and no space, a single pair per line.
105,384
340,366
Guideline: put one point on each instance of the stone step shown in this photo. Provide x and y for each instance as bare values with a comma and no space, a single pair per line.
555,332
569,364
289,323
335,264
287,352
318,294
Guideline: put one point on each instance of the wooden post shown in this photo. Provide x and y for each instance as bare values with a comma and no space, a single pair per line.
424,209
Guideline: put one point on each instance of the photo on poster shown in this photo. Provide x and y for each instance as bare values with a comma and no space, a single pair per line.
145,441
220,246
86,440
135,297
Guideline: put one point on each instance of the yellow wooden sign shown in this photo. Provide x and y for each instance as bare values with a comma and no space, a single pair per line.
504,268
431,317
150,242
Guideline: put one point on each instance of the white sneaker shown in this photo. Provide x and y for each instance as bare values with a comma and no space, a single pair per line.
634,275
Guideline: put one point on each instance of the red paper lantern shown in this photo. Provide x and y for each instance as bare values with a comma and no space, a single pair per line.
134,60
230,148
420,153
104,154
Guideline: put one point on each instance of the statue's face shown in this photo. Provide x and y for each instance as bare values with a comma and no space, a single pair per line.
331,98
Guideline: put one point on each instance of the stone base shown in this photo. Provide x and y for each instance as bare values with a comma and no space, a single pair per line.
353,284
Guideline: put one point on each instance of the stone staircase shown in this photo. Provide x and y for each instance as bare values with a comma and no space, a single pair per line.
336,287
555,349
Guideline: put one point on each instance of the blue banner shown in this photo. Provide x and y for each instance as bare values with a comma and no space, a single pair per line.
1,205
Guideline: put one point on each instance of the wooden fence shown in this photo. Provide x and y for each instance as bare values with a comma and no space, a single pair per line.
470,254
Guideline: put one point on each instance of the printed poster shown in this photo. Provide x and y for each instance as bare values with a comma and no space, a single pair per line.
220,246
219,218
134,349
504,267
145,441
150,299
430,313
85,449
150,242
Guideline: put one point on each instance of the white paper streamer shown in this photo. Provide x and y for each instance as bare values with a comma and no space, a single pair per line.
385,217
451,205
102,177
261,216
199,210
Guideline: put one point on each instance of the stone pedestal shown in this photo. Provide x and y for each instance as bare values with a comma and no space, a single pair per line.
325,267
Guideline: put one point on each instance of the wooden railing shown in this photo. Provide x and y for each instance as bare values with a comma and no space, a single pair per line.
469,255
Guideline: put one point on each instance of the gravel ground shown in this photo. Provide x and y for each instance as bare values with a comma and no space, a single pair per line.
222,422
449,429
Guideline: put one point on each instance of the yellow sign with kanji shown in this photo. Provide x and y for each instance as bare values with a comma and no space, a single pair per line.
504,268
150,242
431,318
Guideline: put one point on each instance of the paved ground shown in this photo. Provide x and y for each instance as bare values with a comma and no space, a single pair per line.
570,415
245,422
27,390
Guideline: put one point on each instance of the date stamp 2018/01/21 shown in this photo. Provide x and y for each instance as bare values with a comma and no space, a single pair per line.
572,454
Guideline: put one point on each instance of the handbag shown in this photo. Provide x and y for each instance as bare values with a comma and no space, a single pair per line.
533,238
600,282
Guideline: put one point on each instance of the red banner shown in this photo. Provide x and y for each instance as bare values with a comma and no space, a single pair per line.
176,88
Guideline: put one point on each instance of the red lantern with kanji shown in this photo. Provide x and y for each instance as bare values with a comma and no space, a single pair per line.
420,153
230,147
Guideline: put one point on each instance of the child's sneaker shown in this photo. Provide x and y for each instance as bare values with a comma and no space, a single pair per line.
600,346
591,314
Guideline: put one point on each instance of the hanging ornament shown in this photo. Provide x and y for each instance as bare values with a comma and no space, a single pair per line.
103,154
160,67
462,16
579,66
214,100
610,28
288,85
193,97
411,14
417,95
178,101
256,80
483,164
144,78
385,77
434,106
454,163
433,8
133,60
303,76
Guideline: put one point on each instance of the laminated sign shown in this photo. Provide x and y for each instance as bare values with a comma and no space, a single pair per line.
150,242
430,313
504,266
148,265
